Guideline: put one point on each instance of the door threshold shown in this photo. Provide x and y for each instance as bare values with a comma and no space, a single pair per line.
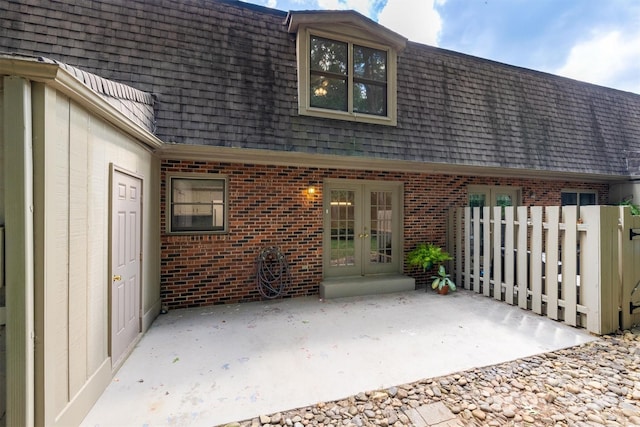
339,287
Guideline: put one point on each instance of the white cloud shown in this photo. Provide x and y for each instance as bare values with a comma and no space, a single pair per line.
360,6
609,59
418,20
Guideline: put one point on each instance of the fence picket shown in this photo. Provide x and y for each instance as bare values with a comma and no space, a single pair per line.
476,249
551,261
569,286
508,254
580,271
467,247
522,250
458,218
536,259
497,252
486,252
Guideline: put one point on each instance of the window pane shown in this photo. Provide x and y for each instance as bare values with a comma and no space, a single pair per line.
370,99
370,64
327,92
569,199
587,199
328,55
197,204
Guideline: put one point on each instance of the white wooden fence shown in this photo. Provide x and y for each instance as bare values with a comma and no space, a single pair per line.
578,269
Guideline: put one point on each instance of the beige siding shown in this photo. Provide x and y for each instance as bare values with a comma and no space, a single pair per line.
78,151
3,393
1,151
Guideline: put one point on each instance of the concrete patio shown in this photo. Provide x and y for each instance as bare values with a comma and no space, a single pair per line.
209,366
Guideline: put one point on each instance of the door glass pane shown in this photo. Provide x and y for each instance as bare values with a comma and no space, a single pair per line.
477,200
503,200
381,230
342,228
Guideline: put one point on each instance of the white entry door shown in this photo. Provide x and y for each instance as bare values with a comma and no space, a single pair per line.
125,263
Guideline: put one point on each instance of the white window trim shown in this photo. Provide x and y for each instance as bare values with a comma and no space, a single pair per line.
347,35
194,176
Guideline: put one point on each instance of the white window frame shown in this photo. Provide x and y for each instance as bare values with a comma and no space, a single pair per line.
170,203
351,36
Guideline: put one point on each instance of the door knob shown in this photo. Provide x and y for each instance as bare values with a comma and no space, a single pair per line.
117,277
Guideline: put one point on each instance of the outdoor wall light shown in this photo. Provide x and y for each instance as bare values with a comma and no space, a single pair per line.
311,190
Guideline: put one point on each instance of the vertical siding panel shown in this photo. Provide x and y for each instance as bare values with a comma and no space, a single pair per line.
2,151
78,232
97,243
57,263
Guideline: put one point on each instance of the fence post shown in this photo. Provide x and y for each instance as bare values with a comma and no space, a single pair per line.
599,274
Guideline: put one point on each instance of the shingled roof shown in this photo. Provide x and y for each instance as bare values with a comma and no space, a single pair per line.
224,74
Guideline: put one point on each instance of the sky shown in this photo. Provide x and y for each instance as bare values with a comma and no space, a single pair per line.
596,41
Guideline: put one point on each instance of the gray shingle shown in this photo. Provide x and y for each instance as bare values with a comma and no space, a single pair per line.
227,70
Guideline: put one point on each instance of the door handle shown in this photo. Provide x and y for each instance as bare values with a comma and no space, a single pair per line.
117,277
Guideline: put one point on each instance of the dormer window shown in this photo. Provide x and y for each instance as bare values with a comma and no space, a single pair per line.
347,77
346,67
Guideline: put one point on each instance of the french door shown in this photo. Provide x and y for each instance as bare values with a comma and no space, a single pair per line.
362,228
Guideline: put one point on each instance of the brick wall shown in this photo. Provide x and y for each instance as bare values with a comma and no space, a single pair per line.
269,206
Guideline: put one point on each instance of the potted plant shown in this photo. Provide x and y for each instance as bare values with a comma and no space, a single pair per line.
427,255
442,282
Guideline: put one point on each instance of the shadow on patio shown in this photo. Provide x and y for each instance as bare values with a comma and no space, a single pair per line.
208,366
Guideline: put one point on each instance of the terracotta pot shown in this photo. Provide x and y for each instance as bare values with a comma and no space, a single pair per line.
444,290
